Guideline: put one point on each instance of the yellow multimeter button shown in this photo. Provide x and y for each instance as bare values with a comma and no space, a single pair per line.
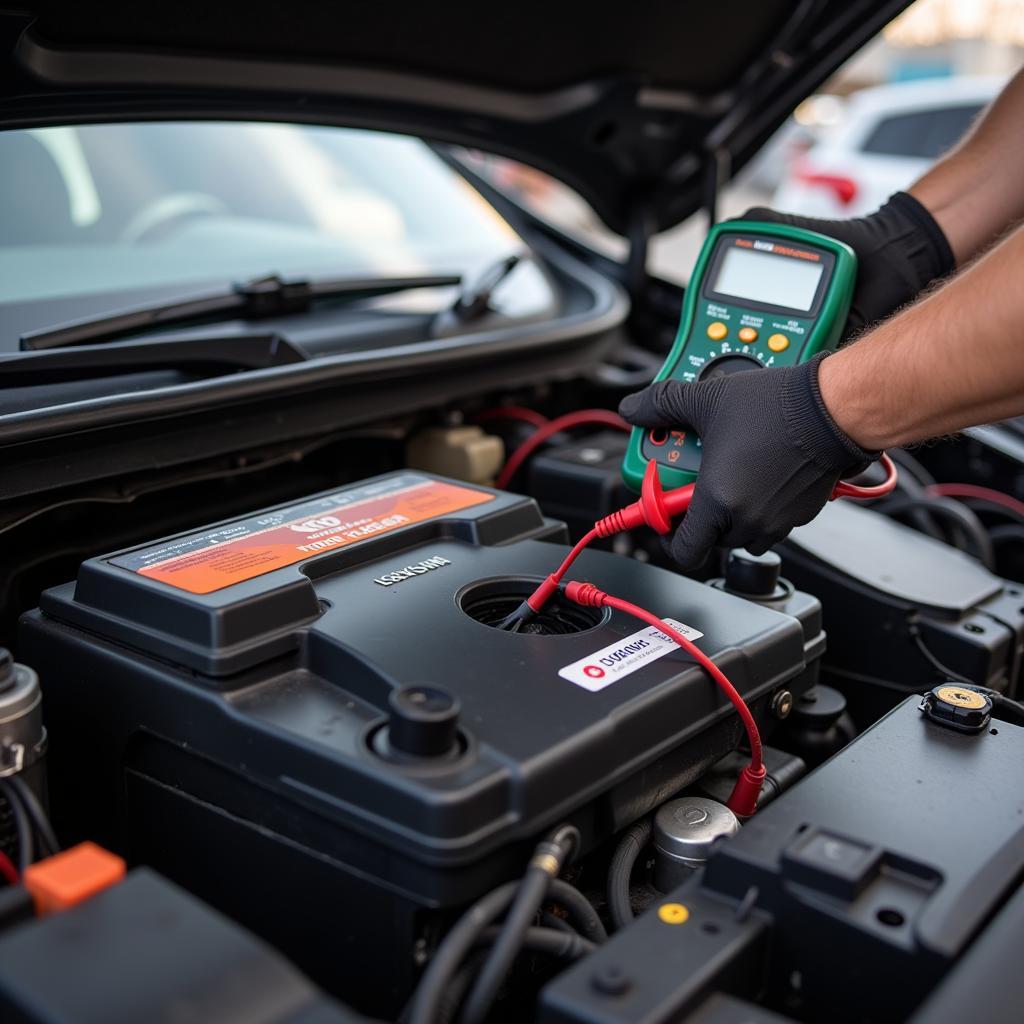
778,343
717,331
747,335
673,913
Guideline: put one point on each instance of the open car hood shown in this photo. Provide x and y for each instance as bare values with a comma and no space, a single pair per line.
633,106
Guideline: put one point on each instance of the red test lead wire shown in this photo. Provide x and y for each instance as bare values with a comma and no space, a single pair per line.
743,800
657,508
845,490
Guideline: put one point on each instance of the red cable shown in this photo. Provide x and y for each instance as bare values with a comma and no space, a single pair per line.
585,417
743,800
845,490
981,493
542,594
657,508
512,412
8,870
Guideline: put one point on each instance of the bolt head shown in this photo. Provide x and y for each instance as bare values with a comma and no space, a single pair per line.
610,981
782,704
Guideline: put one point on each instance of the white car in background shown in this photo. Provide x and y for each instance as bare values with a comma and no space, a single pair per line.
888,136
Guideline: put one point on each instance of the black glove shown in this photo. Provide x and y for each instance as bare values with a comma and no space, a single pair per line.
900,250
771,454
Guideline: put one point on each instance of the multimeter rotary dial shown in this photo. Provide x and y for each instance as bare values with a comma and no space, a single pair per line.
724,366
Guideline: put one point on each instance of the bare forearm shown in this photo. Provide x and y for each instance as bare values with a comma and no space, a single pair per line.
974,193
951,361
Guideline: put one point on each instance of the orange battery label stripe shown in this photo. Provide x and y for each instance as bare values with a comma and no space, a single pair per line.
242,550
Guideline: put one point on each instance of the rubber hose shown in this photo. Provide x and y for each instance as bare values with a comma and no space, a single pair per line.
549,941
582,912
960,516
552,941
620,870
546,863
449,955
529,896
22,826
555,923
458,985
918,509
912,484
1010,533
914,468
977,505
39,817
1011,711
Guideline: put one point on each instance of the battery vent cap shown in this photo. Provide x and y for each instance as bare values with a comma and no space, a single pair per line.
423,721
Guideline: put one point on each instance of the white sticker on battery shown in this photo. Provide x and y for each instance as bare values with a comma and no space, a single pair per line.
611,663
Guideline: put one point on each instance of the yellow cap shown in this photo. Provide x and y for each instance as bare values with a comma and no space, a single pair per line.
673,913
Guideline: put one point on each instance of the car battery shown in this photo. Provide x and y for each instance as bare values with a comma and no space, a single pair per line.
306,717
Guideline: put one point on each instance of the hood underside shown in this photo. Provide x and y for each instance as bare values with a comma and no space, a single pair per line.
633,106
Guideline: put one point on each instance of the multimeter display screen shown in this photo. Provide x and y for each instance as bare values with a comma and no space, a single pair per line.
764,277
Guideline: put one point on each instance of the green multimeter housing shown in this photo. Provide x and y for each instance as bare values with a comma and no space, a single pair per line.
761,295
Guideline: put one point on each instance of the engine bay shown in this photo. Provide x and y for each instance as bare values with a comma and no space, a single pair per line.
352,666
306,717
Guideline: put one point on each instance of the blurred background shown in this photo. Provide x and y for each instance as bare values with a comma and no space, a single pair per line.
873,128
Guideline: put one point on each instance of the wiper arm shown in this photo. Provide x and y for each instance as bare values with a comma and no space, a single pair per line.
475,299
230,352
264,297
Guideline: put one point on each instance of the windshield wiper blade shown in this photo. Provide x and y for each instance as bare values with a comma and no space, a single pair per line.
264,297
230,352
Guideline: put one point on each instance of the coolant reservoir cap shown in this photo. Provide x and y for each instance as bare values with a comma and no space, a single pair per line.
960,707
685,829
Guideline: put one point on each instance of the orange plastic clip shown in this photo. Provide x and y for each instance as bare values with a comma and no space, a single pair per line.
72,876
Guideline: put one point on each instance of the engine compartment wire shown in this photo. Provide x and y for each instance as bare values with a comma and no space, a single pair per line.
547,430
8,870
987,494
431,1002
511,412
545,864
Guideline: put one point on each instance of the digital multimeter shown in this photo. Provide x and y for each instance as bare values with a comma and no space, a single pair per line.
761,295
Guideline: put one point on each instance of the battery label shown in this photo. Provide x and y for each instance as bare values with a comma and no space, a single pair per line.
625,656
242,550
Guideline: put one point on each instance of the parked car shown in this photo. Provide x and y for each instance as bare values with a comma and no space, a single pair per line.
887,138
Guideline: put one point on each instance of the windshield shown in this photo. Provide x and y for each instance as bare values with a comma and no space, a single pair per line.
136,207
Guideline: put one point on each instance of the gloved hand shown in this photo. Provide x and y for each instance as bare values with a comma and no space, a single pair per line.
900,251
771,454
